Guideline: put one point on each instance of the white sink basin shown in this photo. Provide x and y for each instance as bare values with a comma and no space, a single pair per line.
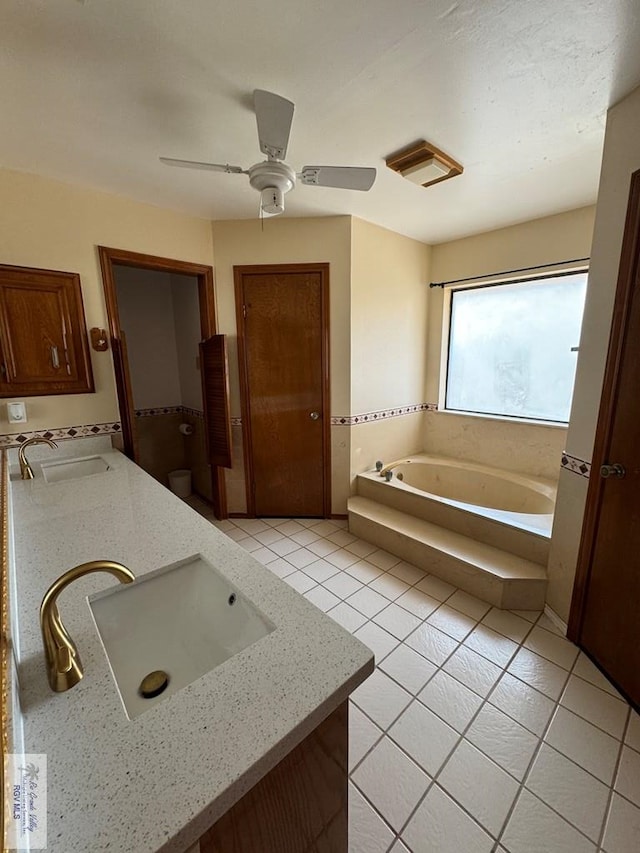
184,619
72,469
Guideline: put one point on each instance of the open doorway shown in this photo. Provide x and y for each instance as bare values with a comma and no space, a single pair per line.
171,370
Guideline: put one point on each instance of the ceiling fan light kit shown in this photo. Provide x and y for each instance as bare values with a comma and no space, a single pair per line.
273,178
424,164
272,201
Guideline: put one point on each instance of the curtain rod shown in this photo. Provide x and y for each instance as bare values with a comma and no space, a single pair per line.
506,272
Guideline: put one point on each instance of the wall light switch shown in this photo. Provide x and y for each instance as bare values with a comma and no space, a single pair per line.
16,413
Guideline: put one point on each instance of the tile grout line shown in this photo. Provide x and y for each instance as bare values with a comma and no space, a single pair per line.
521,783
485,700
461,738
532,760
609,806
404,752
536,752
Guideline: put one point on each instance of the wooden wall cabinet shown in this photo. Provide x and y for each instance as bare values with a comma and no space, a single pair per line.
43,336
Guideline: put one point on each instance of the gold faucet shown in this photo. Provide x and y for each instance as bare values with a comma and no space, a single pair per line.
26,471
390,467
64,668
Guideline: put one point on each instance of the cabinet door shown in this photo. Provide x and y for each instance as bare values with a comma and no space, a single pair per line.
42,333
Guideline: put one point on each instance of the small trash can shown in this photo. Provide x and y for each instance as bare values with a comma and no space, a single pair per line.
180,482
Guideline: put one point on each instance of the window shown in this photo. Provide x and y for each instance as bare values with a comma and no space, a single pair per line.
512,347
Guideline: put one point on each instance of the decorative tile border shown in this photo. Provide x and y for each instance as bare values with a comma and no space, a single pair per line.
165,410
370,417
382,414
575,465
15,439
194,413
169,410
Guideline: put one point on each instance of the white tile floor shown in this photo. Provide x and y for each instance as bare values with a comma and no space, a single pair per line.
481,729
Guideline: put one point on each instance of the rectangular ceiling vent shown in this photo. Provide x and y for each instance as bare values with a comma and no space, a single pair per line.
424,164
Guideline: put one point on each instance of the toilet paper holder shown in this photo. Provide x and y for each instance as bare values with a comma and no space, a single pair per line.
186,429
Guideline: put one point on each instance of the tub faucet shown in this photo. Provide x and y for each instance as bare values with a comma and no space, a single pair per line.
26,471
64,668
387,468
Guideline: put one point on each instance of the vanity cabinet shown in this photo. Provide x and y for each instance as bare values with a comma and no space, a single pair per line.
298,807
43,337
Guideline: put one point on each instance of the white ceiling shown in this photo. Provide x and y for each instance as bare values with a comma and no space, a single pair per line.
516,90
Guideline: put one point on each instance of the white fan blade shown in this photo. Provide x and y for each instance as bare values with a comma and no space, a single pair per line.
274,115
211,167
341,177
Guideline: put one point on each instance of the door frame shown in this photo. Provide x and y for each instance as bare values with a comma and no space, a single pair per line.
275,269
627,274
204,275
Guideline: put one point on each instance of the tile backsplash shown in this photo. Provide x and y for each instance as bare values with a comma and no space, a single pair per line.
15,439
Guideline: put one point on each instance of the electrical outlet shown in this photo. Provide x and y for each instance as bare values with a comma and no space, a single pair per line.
16,413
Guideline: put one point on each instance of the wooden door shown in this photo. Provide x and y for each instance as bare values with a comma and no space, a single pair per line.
606,604
283,350
125,396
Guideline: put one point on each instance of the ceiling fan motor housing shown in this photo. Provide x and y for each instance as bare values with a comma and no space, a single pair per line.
273,179
272,174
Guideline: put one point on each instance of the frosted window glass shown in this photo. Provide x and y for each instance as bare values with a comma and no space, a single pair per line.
510,347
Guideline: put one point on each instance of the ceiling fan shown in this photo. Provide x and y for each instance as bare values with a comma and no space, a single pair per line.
273,178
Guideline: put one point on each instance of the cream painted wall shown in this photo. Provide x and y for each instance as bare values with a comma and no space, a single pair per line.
286,241
621,158
48,224
530,448
389,295
145,307
160,315
389,300
186,312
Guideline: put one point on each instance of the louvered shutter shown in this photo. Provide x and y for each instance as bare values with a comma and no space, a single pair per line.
215,394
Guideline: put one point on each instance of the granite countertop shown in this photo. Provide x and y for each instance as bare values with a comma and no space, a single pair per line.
158,782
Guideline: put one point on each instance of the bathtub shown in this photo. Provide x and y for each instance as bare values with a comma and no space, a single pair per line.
510,511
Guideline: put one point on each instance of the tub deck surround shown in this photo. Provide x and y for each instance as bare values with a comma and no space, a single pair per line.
502,579
158,782
523,529
435,518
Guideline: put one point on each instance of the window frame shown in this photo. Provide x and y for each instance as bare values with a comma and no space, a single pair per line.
482,283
